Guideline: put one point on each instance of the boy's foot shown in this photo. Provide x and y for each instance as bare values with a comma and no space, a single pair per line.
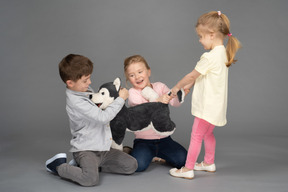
54,162
205,167
182,173
74,163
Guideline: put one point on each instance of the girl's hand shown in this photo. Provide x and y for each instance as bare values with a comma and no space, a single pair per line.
186,91
174,91
187,88
164,99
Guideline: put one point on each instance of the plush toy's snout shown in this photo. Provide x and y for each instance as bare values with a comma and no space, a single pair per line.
98,104
107,93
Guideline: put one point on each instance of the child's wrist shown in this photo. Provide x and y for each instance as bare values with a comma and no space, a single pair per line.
123,98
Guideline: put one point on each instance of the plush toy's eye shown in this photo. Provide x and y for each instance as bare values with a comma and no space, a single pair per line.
103,93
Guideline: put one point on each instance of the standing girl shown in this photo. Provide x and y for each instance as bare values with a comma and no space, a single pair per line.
209,98
149,144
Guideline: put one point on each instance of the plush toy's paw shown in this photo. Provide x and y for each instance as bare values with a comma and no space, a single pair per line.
149,94
180,95
116,146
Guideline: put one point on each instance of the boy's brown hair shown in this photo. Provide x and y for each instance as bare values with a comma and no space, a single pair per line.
73,67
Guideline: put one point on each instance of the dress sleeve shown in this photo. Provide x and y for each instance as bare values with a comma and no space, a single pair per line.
203,66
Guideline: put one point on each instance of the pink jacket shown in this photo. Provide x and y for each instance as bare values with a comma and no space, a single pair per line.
135,98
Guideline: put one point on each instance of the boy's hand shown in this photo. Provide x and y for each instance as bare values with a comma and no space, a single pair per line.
123,93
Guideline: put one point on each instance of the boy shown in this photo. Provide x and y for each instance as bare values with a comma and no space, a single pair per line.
89,125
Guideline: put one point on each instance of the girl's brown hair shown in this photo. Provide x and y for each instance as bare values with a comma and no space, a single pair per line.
134,59
217,22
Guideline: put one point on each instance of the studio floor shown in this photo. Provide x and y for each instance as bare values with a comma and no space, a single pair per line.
251,150
244,163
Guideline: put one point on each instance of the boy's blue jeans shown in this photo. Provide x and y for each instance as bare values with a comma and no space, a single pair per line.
144,150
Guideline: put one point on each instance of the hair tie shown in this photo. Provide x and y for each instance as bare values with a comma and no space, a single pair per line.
229,34
219,13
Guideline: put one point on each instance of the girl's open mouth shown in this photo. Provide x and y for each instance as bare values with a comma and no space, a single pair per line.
139,82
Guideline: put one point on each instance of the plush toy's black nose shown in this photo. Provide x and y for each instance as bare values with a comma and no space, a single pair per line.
90,96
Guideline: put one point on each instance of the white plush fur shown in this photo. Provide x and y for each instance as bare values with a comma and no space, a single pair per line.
117,83
116,146
102,97
149,94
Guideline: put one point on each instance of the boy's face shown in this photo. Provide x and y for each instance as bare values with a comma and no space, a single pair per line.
81,85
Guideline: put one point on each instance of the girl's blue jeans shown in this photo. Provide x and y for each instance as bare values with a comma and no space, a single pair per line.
145,150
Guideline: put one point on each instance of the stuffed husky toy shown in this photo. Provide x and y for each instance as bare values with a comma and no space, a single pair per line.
153,115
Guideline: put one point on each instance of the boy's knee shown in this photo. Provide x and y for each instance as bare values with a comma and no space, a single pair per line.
130,166
133,167
89,182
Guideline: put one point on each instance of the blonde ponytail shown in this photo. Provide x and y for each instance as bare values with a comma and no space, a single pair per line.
232,47
216,21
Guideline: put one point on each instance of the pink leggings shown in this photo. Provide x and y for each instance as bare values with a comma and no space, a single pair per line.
201,130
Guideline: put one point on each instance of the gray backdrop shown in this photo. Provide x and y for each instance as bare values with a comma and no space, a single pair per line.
36,34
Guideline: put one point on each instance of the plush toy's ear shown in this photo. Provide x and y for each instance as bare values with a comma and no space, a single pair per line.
117,83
